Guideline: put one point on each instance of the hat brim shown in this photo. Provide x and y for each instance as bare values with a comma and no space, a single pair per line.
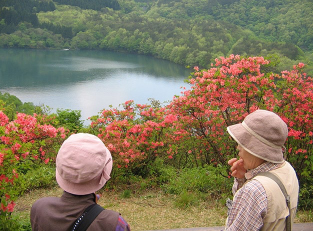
254,146
82,188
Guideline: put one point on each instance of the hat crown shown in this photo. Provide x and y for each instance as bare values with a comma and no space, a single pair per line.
262,134
83,164
268,125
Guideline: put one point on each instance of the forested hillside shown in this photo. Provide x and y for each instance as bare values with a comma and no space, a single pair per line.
91,4
287,21
188,32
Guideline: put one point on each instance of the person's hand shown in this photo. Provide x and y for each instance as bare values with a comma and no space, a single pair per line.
237,169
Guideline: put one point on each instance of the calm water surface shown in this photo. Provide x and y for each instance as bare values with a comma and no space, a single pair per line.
87,80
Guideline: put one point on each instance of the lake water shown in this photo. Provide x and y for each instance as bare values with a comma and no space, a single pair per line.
88,81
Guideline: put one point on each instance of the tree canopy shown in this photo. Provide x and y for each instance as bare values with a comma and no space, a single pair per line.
187,32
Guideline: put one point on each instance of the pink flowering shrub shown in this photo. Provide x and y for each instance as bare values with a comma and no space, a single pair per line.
219,97
135,135
24,141
296,108
191,130
235,87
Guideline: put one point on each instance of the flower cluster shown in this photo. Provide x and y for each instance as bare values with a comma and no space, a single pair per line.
296,108
27,138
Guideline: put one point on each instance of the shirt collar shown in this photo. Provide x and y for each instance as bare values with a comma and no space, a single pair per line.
265,167
77,198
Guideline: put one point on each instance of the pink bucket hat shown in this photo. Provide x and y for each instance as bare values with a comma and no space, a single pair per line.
83,164
262,134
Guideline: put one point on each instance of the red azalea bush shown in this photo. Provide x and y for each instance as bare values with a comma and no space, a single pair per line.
24,141
136,135
235,87
296,108
191,130
219,97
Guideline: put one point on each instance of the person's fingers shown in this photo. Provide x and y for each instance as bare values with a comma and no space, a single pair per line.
232,161
233,167
240,162
236,164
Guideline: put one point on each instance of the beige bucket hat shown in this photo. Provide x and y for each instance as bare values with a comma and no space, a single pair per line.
262,134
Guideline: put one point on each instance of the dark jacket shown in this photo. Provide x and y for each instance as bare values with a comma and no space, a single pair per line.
59,213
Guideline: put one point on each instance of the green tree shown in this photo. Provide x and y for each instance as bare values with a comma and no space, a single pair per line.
84,40
70,119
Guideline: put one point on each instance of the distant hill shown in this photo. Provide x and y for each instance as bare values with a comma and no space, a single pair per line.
188,32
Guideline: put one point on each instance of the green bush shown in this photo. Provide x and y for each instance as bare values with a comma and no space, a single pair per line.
42,176
209,180
9,222
305,197
161,172
20,224
70,119
30,177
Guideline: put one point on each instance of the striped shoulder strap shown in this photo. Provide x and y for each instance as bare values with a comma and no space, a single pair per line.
88,216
